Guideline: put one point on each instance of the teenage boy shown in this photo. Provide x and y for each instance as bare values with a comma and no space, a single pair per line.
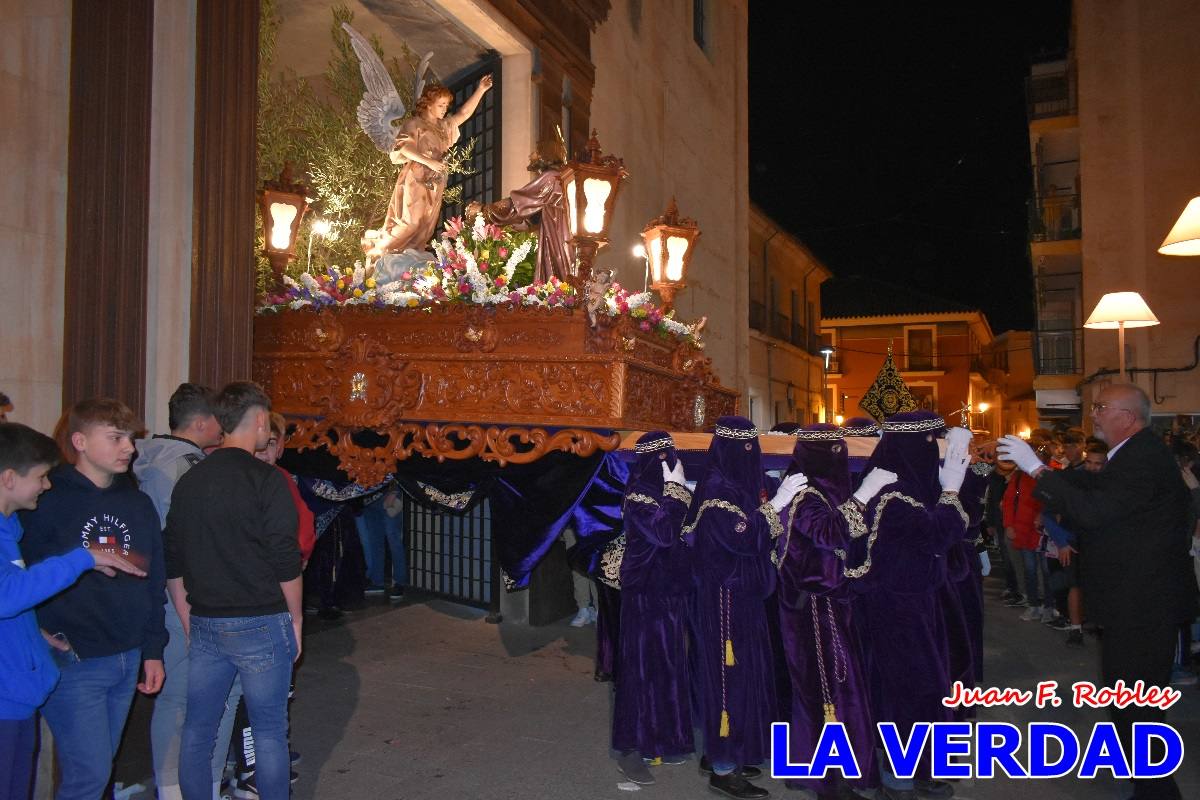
161,461
107,629
27,670
231,546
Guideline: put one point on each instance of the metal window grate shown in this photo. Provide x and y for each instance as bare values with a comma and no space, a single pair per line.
450,555
485,126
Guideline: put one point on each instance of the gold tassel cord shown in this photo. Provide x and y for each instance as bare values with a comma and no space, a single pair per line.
830,713
725,723
729,659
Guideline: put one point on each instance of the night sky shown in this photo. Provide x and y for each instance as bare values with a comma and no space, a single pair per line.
894,143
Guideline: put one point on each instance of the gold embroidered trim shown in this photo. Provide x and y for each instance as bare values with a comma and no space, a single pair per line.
736,433
768,511
852,513
724,505
635,497
610,562
952,500
457,501
982,468
654,445
865,567
807,489
677,492
916,426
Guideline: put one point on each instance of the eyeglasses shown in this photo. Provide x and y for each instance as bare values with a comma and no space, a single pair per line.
1098,407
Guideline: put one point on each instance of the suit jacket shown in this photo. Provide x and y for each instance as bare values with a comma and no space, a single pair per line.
1134,565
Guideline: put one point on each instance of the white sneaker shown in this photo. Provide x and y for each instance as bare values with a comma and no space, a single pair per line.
582,617
1032,614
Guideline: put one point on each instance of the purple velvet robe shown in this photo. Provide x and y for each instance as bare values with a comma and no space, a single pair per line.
815,607
906,657
734,576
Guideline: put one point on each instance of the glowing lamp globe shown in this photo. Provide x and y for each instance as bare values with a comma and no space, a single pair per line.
281,205
590,185
670,242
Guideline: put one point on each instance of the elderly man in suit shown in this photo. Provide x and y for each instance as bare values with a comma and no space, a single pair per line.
1137,579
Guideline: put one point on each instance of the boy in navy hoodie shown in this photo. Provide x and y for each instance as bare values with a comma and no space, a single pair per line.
27,671
112,628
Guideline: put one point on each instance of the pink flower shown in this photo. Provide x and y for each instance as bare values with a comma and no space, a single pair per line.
645,325
454,227
407,276
569,300
514,297
501,280
503,251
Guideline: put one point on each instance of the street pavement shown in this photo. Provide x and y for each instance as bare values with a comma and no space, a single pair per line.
428,700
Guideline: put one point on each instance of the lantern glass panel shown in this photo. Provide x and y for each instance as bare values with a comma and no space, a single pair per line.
654,253
282,216
573,214
676,249
596,191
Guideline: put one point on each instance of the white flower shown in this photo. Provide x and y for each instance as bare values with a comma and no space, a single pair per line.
640,299
516,258
290,282
309,282
295,304
479,229
359,274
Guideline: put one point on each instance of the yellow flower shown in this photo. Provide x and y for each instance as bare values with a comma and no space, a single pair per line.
413,302
358,292
341,284
348,271
370,283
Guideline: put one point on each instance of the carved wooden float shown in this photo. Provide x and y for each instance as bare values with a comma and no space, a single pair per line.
454,381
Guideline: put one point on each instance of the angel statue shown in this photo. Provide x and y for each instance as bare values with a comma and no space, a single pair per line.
418,147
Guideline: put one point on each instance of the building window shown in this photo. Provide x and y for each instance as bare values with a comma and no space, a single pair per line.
920,348
926,396
567,100
700,11
484,126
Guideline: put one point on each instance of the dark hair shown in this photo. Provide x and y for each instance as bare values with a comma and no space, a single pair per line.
90,412
1095,445
189,401
22,448
1074,436
231,405
5,402
1183,450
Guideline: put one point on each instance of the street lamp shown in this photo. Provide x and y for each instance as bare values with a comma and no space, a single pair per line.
1121,310
1184,238
590,185
281,204
669,243
320,227
826,351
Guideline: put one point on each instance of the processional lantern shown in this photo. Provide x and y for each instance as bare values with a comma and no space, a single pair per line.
670,241
590,184
281,204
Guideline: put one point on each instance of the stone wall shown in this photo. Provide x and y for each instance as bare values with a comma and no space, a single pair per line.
677,114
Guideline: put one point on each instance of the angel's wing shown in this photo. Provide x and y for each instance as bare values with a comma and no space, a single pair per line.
381,104
420,84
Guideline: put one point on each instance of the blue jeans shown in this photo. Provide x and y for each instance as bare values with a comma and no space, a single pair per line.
375,528
87,712
17,738
259,651
1034,562
166,724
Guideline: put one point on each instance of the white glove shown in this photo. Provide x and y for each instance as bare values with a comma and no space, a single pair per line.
790,487
1017,450
958,455
985,563
674,475
872,483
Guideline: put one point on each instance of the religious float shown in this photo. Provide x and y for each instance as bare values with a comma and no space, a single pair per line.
478,357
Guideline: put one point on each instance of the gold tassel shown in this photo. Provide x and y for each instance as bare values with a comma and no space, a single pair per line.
830,713
656,761
729,660
724,723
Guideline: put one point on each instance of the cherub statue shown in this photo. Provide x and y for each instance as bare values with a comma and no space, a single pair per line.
418,147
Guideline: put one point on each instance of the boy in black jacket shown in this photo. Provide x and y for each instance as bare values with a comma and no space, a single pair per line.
105,630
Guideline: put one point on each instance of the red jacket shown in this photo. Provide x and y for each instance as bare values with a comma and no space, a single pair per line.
306,532
1021,510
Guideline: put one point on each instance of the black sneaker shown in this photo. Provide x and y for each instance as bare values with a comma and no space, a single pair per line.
735,785
1059,623
1075,638
1008,594
935,789
246,787
748,772
375,588
330,613
396,594
1016,601
294,757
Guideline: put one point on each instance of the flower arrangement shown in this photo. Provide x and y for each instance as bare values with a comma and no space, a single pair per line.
483,264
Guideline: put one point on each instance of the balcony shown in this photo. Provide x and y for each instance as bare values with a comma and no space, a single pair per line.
758,316
1058,352
1051,94
1055,218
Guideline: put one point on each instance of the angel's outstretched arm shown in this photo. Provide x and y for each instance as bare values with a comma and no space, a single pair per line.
468,108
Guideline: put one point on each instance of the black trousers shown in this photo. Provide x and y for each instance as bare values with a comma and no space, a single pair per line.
1147,653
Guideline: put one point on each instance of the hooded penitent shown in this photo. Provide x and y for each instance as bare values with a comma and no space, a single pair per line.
910,527
652,708
730,527
816,618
